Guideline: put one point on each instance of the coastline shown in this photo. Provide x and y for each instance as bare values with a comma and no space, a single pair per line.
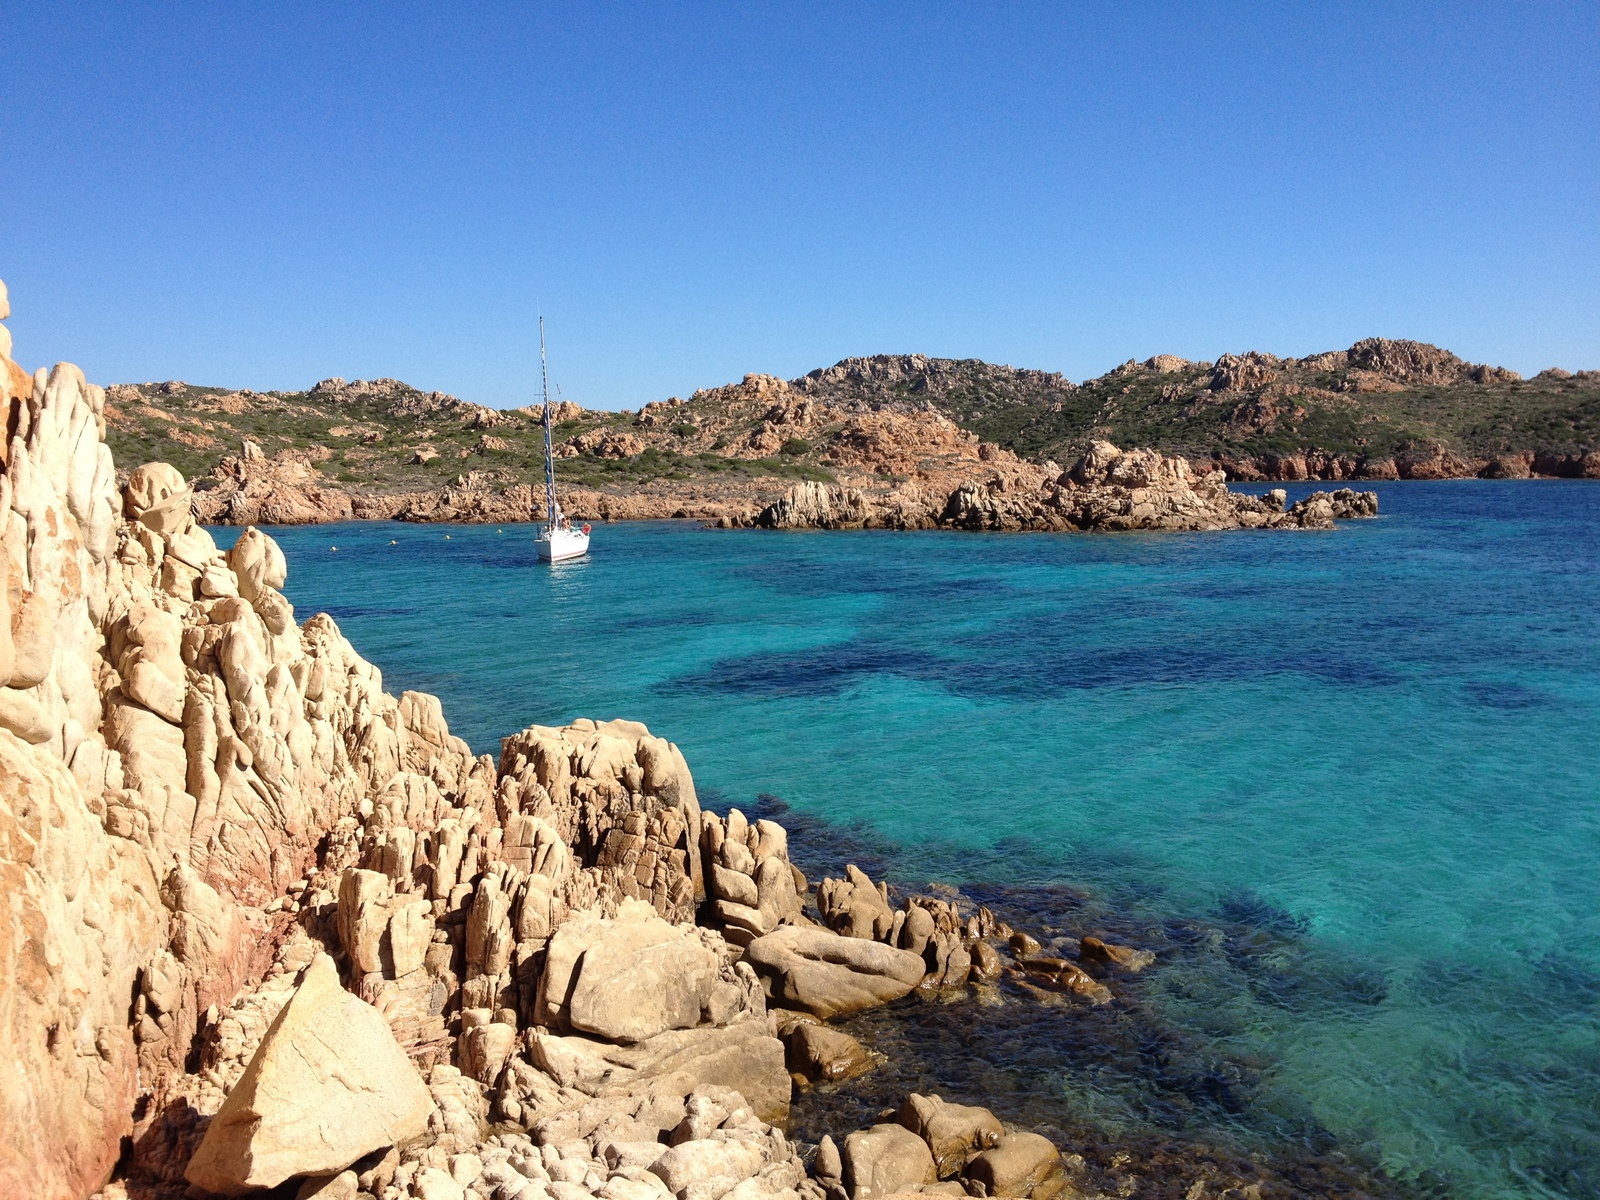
295,849
475,502
1107,488
818,643
279,830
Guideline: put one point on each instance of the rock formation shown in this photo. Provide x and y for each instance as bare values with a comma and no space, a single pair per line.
286,489
1106,489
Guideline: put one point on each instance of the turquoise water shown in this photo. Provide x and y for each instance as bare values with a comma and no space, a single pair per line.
1375,751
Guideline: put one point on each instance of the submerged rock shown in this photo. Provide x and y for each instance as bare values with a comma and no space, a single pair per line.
821,1055
1023,1164
1093,950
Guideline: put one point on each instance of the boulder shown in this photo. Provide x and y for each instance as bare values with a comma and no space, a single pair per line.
159,499
825,1055
1093,950
885,1159
744,1057
954,1132
626,979
1023,1164
705,1161
327,1085
258,563
829,975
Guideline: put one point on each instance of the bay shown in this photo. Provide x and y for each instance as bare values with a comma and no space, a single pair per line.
1367,759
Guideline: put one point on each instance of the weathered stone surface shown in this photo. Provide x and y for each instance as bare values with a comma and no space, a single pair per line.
883,1160
745,1057
706,1160
582,780
343,1186
954,1132
1023,1164
626,979
812,505
158,498
327,1085
81,913
829,975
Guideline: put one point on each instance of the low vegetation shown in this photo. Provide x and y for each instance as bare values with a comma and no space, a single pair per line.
1377,399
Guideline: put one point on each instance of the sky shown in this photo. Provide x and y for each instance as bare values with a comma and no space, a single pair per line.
267,195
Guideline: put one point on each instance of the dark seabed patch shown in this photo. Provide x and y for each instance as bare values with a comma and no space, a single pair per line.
351,612
1510,697
995,665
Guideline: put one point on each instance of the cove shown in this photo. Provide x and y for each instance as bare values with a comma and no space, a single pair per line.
1344,782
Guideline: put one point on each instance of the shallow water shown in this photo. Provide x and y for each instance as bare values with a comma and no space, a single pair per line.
1345,782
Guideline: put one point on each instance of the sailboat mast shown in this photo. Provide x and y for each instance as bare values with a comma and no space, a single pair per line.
549,453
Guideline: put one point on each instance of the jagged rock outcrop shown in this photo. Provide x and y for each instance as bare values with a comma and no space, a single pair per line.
816,506
252,489
1107,489
748,875
174,750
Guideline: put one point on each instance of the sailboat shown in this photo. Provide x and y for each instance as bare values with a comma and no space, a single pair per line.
556,540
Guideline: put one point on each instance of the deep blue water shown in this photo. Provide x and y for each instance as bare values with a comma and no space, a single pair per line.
1376,750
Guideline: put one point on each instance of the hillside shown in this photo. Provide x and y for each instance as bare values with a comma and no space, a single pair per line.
1378,400
1382,409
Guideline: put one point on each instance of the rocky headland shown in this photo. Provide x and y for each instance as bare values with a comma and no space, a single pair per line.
271,929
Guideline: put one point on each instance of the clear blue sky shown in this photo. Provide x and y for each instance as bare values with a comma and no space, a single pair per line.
265,195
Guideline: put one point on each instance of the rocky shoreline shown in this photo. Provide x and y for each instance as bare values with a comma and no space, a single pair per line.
905,430
1107,489
274,930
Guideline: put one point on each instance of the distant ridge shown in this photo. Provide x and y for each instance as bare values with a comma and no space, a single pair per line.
1381,409
1381,398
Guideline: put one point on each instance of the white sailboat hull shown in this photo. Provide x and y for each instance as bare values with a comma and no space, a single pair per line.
558,545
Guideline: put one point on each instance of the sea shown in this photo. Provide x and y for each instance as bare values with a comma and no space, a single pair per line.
1345,783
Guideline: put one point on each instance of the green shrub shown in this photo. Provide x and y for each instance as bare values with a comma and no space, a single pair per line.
795,447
